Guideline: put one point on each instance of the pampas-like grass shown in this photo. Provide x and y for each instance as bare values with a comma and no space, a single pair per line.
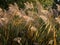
32,28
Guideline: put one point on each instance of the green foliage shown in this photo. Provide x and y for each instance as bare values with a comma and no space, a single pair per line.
47,3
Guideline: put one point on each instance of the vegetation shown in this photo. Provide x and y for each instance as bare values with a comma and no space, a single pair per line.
45,3
32,25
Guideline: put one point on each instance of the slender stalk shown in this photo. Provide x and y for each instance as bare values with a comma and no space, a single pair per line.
54,37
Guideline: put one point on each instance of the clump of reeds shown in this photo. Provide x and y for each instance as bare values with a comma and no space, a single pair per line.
27,27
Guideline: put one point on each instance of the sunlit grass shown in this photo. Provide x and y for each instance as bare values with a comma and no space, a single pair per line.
34,28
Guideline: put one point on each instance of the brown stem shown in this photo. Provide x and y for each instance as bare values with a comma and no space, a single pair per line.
54,37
